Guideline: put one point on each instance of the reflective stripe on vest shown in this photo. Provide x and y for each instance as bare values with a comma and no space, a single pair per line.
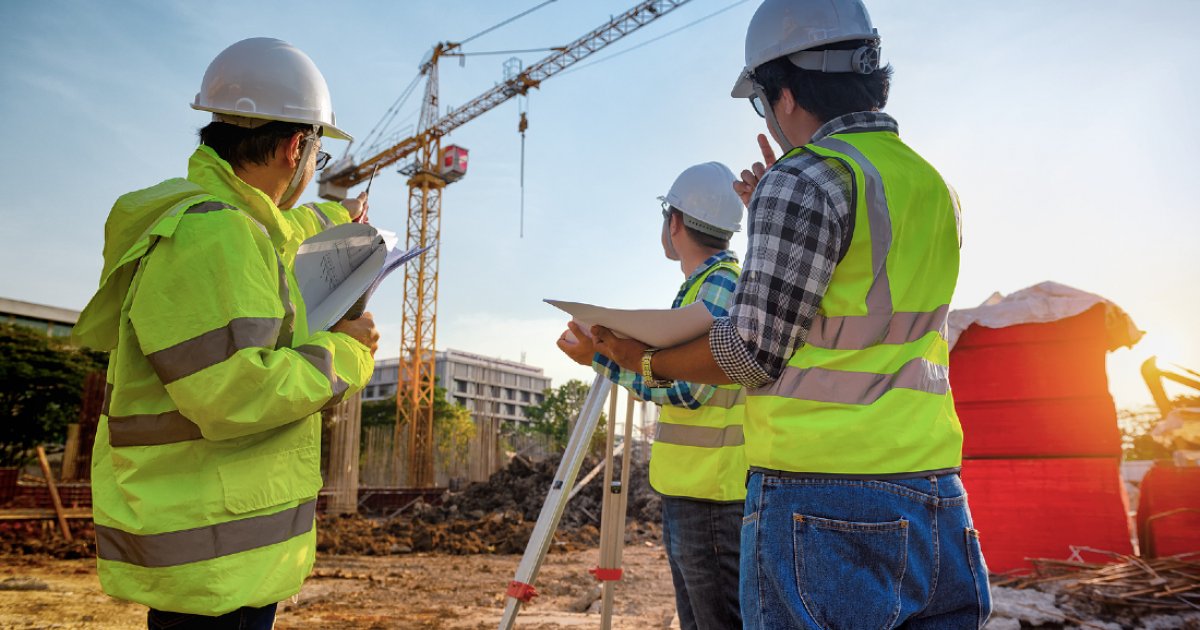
203,543
699,453
188,357
727,398
172,427
857,388
868,391
321,218
701,437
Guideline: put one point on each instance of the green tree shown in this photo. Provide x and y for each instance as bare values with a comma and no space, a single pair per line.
41,380
452,425
556,414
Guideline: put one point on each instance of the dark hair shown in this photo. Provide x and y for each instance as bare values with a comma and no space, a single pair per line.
702,239
826,95
241,146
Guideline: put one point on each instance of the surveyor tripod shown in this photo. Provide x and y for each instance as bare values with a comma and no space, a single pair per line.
612,512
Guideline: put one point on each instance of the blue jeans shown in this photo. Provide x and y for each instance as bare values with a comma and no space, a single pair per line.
240,619
846,554
701,539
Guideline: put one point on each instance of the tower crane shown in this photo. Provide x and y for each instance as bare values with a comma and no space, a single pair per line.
428,174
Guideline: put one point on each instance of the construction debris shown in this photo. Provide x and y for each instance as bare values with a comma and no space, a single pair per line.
497,516
1131,592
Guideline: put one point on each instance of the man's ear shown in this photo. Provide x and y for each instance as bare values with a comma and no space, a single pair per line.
787,101
676,223
291,149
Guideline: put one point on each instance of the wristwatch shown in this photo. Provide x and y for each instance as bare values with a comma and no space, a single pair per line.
648,374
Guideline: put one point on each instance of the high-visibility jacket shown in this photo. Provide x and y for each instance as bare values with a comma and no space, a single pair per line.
698,453
206,465
868,393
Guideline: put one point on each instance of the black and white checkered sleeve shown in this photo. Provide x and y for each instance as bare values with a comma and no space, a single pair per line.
800,220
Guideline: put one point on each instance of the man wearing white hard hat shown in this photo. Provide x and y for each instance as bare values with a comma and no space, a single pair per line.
697,462
856,516
206,465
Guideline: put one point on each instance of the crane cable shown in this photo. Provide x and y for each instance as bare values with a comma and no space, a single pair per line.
651,41
505,22
388,117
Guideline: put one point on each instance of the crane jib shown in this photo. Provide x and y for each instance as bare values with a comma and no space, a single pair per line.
532,77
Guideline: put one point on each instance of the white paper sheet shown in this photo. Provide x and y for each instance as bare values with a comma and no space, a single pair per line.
658,328
341,265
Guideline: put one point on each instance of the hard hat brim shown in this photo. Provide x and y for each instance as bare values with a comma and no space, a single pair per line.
328,130
743,87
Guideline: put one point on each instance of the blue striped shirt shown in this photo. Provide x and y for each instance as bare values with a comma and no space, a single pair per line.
717,295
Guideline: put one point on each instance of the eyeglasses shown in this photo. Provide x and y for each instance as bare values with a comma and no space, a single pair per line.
322,159
760,108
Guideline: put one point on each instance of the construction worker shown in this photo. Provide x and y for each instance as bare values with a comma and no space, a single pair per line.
697,462
206,465
855,513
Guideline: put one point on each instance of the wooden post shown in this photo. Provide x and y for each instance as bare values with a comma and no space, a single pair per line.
344,438
58,508
71,454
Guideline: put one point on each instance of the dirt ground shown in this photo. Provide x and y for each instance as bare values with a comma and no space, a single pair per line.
359,592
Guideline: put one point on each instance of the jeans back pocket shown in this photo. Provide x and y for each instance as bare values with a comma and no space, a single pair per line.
849,573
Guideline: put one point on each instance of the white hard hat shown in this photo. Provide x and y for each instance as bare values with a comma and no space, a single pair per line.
786,27
704,194
266,79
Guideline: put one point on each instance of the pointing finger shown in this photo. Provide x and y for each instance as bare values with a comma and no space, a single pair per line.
768,152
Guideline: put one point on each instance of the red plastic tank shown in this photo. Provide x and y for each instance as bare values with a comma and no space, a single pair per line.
1036,390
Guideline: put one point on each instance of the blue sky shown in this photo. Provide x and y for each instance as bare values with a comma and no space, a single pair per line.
1064,126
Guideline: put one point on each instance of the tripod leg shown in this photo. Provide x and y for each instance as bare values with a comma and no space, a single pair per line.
616,502
520,589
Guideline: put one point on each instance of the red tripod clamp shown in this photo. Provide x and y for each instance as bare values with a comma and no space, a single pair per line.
521,591
606,575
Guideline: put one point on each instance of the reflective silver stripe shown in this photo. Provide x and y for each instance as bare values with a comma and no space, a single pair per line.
203,543
324,220
727,398
879,296
208,206
152,429
321,359
214,206
191,356
288,326
856,388
108,392
703,437
857,332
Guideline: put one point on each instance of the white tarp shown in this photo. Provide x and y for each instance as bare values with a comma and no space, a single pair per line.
1040,303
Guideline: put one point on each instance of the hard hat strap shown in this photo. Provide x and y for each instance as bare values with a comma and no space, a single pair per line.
668,244
298,175
861,60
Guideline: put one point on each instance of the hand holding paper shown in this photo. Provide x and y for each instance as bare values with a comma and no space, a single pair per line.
658,328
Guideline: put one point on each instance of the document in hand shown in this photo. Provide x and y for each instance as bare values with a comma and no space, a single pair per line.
658,328
341,267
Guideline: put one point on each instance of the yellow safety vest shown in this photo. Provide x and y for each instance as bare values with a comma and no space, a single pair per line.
206,466
868,393
698,453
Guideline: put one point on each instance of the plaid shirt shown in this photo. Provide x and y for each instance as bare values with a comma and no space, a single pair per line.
717,294
801,222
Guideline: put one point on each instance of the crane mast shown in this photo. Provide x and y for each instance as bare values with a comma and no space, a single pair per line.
415,391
